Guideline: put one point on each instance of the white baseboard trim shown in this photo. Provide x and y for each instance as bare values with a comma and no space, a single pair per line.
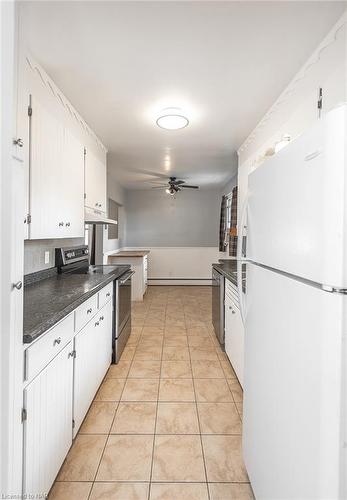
179,282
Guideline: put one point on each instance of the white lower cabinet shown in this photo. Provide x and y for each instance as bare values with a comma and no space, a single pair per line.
104,341
60,388
93,348
234,336
47,430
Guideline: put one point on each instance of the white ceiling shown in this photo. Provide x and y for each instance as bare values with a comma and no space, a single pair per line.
224,63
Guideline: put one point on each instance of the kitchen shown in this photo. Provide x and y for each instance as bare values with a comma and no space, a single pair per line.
172,242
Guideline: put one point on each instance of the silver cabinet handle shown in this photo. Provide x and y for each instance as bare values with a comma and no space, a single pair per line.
89,310
18,142
57,341
97,323
61,224
101,318
18,285
108,294
232,310
67,224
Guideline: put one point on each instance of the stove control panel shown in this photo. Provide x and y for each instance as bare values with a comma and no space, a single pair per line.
71,255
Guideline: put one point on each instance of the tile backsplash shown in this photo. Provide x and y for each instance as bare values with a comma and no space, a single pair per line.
34,252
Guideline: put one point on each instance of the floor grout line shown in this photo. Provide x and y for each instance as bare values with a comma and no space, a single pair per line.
199,424
155,423
109,433
164,305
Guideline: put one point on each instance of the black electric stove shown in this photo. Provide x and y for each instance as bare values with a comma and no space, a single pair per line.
75,260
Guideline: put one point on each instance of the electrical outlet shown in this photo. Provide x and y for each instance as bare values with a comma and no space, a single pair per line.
47,257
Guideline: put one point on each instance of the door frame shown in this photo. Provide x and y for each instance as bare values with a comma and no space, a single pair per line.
11,261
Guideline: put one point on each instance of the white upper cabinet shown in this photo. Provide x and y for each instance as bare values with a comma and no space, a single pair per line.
56,177
73,195
95,182
46,145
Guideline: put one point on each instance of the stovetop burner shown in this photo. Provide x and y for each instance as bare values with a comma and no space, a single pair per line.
100,269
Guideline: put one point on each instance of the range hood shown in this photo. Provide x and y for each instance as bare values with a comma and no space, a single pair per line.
96,217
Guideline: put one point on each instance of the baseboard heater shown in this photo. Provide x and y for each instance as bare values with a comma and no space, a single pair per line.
179,281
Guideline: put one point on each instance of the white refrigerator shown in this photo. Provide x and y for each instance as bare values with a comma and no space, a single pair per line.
295,389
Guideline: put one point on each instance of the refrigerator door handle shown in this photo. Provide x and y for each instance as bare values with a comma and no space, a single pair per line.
240,257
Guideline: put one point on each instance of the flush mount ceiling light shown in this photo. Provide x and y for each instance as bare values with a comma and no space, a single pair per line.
172,119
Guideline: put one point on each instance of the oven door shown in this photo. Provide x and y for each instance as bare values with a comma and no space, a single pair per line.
123,302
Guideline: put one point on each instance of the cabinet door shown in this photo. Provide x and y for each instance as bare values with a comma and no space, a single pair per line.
93,346
104,340
95,182
46,147
234,337
72,186
85,383
56,178
48,428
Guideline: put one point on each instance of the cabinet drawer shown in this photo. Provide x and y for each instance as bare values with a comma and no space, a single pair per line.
85,312
47,347
105,294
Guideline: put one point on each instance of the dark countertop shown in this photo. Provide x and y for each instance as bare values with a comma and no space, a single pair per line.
49,300
228,268
130,253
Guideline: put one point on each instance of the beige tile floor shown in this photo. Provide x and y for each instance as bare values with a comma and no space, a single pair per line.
166,422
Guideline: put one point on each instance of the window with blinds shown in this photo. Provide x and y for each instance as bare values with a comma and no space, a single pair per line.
113,214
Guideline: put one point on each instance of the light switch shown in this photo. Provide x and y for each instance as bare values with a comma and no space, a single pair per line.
47,257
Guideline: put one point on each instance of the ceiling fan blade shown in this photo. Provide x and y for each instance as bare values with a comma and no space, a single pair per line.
189,187
178,182
148,172
164,186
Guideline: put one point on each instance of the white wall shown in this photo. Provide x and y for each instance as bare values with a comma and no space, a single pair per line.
181,234
34,252
181,265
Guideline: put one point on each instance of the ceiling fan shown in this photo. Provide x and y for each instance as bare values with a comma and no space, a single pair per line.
174,186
